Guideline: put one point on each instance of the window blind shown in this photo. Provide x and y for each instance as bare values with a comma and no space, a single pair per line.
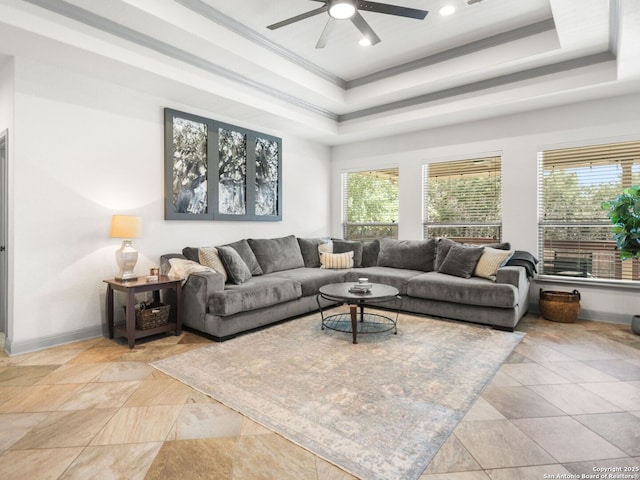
370,204
462,199
574,232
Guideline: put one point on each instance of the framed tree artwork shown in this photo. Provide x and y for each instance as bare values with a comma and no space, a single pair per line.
218,171
187,167
268,178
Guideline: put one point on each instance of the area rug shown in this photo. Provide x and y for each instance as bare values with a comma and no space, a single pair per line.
379,409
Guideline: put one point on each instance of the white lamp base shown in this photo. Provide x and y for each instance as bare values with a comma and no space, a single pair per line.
126,258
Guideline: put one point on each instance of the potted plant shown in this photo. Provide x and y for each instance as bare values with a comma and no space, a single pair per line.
624,212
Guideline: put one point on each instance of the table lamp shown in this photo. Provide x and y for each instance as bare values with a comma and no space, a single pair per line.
126,227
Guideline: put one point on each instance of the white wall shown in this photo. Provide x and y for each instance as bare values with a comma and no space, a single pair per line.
518,138
84,149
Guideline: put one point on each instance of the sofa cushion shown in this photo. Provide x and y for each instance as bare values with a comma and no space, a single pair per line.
311,279
309,250
409,254
336,260
257,292
247,255
191,253
469,291
461,261
490,260
396,277
370,251
276,254
343,246
442,248
237,270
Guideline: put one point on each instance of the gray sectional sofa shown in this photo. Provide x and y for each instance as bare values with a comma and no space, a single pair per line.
256,282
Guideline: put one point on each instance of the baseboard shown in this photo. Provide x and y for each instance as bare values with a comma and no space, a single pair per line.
17,348
594,315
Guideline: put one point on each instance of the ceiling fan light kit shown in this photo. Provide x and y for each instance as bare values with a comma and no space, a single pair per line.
350,10
342,9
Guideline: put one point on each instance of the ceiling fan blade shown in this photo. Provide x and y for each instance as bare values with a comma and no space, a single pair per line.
364,28
322,41
376,7
297,18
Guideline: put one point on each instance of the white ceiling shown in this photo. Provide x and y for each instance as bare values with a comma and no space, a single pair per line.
491,58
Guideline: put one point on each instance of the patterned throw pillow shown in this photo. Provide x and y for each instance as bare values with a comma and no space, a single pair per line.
209,256
490,261
336,260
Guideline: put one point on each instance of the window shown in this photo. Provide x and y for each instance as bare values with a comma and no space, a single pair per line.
574,232
462,200
370,204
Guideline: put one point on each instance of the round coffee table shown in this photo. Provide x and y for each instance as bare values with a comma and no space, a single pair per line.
364,322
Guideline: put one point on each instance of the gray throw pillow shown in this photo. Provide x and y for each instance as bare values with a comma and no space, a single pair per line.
343,246
309,250
370,251
409,254
442,248
245,252
277,254
237,270
461,261
499,246
191,253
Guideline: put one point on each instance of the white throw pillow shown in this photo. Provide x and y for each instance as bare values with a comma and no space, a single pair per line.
490,260
208,256
336,260
182,268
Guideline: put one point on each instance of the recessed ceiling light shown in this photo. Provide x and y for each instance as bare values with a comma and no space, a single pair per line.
365,42
447,10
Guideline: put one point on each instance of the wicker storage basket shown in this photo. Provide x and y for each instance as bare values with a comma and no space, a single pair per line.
152,316
560,306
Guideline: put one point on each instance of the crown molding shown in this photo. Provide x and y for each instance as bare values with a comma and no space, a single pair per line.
482,85
113,28
453,53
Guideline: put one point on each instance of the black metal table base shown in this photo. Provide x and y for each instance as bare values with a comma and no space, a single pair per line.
357,321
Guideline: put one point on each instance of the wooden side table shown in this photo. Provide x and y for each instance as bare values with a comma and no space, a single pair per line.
140,285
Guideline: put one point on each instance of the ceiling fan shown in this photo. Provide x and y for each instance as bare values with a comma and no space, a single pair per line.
350,10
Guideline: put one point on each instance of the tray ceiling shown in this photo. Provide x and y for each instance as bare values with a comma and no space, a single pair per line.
489,58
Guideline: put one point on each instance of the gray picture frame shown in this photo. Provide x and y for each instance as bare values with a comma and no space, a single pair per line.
242,169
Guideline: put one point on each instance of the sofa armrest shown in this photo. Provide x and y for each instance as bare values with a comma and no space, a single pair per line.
516,276
195,292
195,296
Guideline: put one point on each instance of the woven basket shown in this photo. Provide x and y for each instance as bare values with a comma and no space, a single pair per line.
152,316
560,306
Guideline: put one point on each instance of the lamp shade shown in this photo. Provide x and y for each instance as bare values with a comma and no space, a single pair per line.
125,226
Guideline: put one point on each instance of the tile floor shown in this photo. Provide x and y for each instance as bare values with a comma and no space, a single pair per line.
566,402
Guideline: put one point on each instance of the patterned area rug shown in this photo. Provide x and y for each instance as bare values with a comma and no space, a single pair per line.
380,409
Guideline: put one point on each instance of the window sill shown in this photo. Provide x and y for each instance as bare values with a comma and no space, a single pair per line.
594,282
